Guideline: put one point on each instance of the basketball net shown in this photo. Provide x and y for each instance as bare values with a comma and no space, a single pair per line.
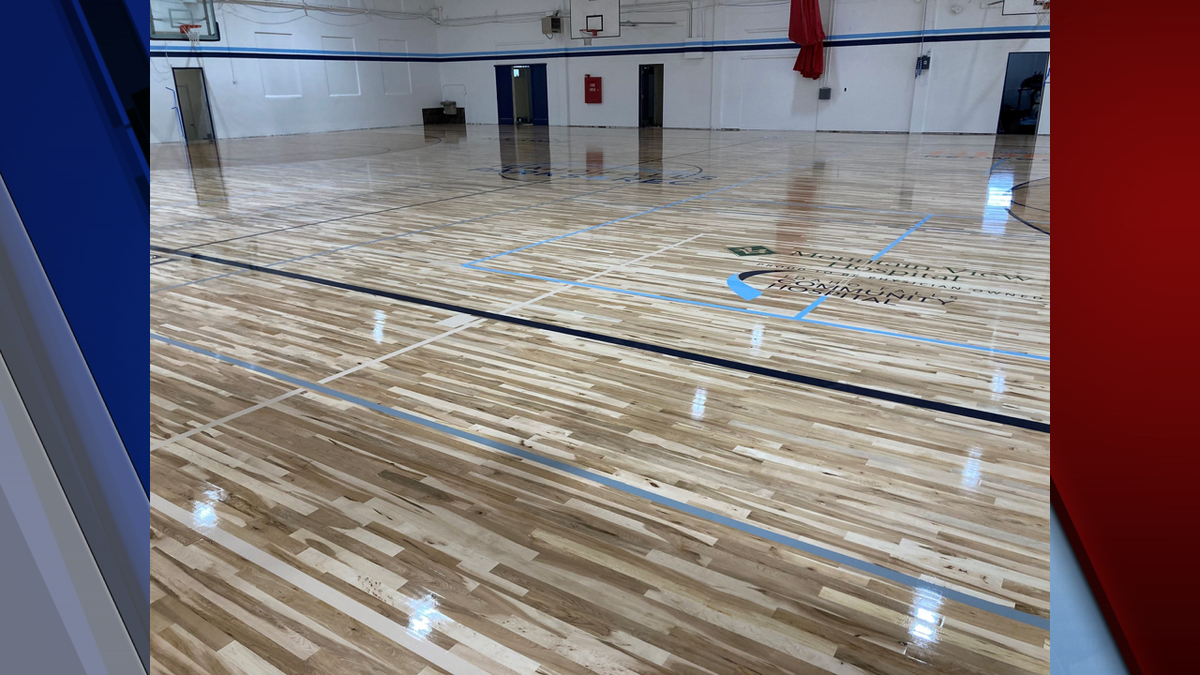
192,32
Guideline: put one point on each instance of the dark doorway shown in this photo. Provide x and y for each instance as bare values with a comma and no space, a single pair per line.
650,95
1022,99
191,95
521,95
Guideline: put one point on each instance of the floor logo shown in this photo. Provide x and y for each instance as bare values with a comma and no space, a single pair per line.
750,250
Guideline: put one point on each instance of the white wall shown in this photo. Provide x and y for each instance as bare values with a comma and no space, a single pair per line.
874,87
264,97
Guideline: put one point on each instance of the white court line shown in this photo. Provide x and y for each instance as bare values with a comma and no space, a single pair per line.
511,308
398,633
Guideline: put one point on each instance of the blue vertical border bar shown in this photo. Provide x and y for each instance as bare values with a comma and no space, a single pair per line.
74,224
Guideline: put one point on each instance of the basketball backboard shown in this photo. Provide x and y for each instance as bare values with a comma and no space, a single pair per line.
171,19
595,19
1022,7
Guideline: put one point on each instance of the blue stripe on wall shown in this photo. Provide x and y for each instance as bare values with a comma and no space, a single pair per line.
855,40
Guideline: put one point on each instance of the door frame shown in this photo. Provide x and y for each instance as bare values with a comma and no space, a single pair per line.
538,90
1007,63
212,127
656,114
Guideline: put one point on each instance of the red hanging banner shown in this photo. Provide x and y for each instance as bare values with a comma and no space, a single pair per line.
805,30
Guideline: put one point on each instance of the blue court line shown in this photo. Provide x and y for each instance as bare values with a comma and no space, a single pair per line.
744,290
993,168
623,291
601,479
815,303
899,239
918,338
799,317
915,338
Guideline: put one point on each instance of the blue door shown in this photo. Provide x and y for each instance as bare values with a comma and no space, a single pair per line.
504,96
541,99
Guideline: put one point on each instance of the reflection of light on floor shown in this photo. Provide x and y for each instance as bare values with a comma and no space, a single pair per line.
999,198
756,339
970,472
997,385
698,403
926,620
424,616
380,320
204,515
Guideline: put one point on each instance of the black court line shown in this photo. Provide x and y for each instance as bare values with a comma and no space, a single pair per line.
1018,186
1045,232
853,389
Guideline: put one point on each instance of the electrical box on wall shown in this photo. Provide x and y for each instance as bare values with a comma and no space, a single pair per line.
591,89
922,63
824,93
551,25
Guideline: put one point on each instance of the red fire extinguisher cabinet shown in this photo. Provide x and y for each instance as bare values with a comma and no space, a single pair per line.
591,89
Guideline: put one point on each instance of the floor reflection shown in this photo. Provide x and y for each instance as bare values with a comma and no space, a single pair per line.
525,153
1017,184
445,133
650,155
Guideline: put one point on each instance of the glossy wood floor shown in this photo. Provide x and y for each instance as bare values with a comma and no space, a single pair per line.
600,401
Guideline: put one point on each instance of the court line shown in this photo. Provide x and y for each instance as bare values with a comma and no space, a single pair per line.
813,305
843,387
1026,222
737,284
697,303
899,239
475,322
817,303
754,530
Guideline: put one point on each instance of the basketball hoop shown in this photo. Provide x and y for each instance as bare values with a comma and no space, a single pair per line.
590,31
1043,15
191,30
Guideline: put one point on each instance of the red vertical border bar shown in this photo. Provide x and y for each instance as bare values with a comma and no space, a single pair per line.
1125,462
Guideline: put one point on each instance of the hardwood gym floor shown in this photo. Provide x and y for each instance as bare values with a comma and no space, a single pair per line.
600,401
